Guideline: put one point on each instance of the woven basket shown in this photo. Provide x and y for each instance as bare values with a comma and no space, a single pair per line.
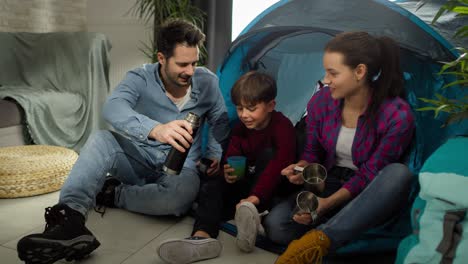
33,169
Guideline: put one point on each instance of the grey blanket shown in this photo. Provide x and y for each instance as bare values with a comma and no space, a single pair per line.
60,80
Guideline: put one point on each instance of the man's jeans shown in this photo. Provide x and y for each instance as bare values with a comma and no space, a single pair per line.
145,187
384,196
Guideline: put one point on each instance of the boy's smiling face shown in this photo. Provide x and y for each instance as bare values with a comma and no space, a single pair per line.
255,116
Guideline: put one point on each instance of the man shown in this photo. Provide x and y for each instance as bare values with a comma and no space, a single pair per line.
148,108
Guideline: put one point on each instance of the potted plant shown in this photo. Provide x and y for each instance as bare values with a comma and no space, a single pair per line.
155,12
457,109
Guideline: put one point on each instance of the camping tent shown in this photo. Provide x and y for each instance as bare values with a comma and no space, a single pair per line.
287,40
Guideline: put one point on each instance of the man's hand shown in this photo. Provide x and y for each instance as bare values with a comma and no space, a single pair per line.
227,174
177,133
253,199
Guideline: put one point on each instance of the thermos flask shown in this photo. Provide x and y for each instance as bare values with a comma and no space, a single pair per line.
175,159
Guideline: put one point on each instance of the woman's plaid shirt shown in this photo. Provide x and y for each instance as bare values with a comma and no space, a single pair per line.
373,147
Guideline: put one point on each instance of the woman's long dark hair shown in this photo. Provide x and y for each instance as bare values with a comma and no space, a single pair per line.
381,55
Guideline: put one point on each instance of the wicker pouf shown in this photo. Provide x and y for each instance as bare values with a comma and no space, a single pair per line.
33,169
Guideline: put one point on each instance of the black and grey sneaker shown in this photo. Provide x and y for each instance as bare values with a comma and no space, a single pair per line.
65,237
188,250
105,198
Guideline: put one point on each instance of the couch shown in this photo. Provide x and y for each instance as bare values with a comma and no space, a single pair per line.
52,87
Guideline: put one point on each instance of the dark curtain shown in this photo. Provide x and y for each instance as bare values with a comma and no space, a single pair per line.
218,29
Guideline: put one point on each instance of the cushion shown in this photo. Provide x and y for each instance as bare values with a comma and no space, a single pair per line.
33,169
11,113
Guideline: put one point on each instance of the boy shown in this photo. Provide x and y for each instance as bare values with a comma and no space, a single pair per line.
267,139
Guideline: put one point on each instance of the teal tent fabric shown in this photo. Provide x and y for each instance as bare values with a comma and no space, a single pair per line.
60,80
287,41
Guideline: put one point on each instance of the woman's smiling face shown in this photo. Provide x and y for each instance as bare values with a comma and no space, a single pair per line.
338,76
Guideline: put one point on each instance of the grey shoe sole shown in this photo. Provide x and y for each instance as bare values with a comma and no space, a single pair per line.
247,223
183,251
33,250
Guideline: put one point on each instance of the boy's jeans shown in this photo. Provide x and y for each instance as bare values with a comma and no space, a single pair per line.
385,195
145,187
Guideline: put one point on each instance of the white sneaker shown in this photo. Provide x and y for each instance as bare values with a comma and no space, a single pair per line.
247,223
188,250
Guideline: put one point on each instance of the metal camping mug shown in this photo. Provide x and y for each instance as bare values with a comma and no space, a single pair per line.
306,203
314,173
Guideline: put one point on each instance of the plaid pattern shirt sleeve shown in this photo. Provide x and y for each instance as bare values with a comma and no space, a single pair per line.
394,132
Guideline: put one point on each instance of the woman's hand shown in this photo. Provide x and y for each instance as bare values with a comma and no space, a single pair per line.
303,218
227,174
324,205
292,175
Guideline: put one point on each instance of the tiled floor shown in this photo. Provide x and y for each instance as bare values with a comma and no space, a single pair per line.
125,237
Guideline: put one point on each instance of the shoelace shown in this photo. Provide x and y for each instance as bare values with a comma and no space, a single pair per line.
100,209
312,255
53,217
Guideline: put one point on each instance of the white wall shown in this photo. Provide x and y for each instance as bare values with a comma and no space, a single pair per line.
124,31
244,11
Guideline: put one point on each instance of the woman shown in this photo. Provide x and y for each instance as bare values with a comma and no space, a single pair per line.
358,127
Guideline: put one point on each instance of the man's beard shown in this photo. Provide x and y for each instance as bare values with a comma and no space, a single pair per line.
175,82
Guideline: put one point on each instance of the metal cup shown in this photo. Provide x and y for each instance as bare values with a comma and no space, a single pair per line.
313,173
306,203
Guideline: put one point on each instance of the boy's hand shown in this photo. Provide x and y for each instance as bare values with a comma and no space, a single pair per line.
253,199
227,174
214,168
210,167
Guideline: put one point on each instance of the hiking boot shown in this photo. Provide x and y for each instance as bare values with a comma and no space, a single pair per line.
188,250
65,237
308,249
248,224
106,197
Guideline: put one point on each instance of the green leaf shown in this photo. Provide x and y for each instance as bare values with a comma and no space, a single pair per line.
441,11
459,61
458,82
462,32
461,74
442,98
427,108
460,9
440,108
430,101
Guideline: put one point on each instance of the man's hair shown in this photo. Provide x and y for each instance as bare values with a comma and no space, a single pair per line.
253,88
178,31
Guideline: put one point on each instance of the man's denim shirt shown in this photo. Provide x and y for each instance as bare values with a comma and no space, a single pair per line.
139,103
